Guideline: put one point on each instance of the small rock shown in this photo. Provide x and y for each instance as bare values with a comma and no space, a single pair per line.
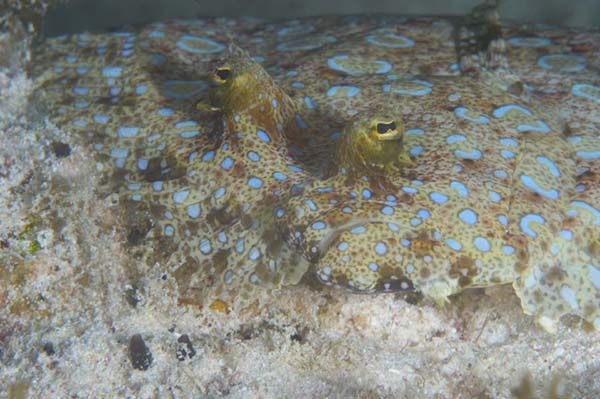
61,150
184,348
49,348
139,353
131,296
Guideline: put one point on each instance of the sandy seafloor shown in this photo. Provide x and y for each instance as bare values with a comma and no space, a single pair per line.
68,313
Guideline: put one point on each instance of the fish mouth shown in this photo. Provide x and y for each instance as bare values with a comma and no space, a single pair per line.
364,255
334,233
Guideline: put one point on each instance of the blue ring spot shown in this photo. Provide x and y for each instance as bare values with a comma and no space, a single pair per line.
494,196
310,103
453,244
358,230
539,127
550,164
343,246
588,154
525,220
111,71
500,174
318,225
589,208
119,153
415,222
208,156
508,250
227,163
454,138
189,134
220,192
101,119
566,234
255,182
205,246
142,164
381,248
189,123
423,213
416,151
460,187
474,155
347,91
509,142
254,253
164,112
467,216
311,205
300,122
326,189
531,41
500,111
239,246
373,266
193,210
387,210
390,40
81,90
425,88
594,275
579,89
461,112
199,45
577,65
261,134
438,198
332,62
531,184
507,154
180,196
79,123
253,156
279,176
481,244
366,193
182,89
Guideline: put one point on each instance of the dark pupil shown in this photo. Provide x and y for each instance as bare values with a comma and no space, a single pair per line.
223,73
385,127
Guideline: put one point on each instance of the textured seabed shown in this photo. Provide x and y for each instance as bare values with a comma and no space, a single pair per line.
68,315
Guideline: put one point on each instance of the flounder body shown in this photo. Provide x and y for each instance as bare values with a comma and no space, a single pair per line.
379,154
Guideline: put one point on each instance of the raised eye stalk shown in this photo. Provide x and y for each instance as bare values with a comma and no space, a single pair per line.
370,146
222,74
386,131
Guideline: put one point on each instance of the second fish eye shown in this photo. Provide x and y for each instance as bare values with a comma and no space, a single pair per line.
223,73
384,127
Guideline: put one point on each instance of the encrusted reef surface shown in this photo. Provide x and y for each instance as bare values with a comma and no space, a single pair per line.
183,218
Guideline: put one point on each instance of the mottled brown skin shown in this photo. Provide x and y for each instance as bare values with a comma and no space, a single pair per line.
374,153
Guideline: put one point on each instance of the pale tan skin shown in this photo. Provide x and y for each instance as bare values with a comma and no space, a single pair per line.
380,166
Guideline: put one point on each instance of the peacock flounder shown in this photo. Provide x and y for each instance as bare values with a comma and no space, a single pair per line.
379,154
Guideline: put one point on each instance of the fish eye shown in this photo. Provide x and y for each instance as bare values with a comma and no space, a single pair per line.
385,127
222,74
